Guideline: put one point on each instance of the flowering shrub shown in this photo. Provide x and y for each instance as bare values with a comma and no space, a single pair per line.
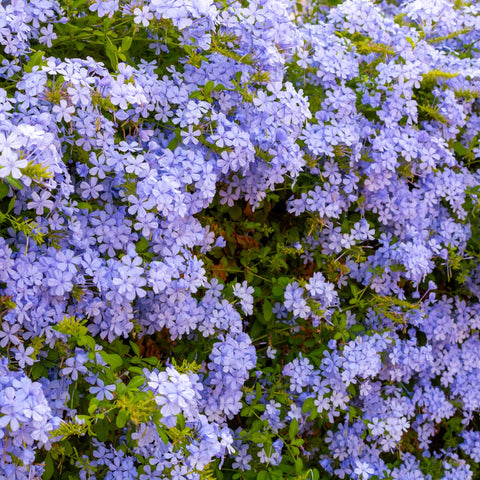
239,240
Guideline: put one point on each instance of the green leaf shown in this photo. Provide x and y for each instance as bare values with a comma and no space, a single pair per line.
141,245
308,405
258,392
85,206
209,87
93,406
257,329
68,447
88,341
197,94
135,348
315,475
102,429
121,389
49,468
246,411
263,475
459,149
258,437
114,360
278,290
357,328
267,310
173,144
4,189
14,182
111,52
35,59
152,361
126,43
11,205
136,382
298,465
38,370
122,418
235,212
163,435
293,429
133,369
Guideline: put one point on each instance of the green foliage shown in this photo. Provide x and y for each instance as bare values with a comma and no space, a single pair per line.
23,224
433,76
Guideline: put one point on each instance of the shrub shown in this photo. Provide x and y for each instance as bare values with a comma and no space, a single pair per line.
239,240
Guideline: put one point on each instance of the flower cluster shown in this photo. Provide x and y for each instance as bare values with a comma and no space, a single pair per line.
26,422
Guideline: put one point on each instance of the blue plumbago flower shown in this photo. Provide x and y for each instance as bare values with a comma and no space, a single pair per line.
26,419
23,355
175,392
363,470
75,365
272,455
102,391
294,301
244,293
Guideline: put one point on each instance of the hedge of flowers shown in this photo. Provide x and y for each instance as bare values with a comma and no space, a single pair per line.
239,239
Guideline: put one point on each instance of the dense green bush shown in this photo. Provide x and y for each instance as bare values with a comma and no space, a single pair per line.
239,240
